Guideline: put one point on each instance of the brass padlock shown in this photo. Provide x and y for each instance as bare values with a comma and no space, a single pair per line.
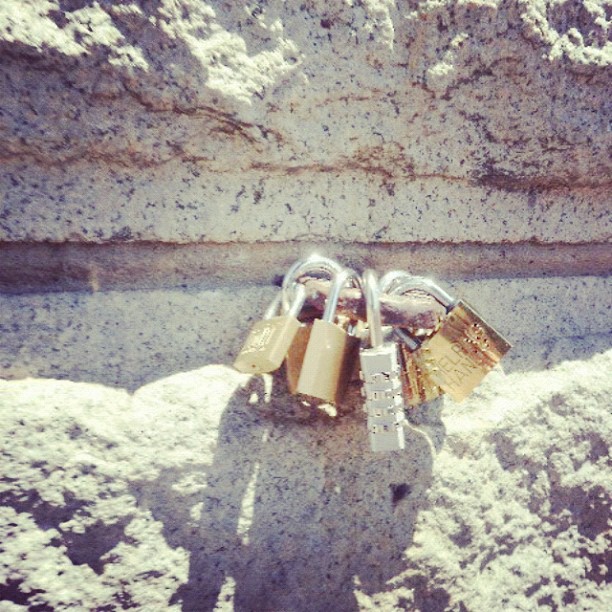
331,352
314,264
295,356
417,384
464,349
297,350
419,387
270,339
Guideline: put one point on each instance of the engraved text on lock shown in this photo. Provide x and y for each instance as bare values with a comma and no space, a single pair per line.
463,351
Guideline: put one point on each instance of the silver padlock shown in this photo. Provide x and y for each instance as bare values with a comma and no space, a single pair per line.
381,375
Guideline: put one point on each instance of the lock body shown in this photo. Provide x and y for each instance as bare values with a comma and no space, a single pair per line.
463,351
328,362
295,356
384,404
417,383
267,344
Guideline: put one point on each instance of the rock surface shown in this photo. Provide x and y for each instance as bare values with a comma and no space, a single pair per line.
129,338
268,120
449,88
209,488
179,154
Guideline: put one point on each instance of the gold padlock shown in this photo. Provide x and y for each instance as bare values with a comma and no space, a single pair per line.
295,356
270,339
464,349
419,387
314,264
331,353
297,350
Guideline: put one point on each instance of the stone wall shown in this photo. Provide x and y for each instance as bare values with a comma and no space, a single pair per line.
162,163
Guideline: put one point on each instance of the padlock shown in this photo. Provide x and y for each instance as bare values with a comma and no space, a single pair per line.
331,352
295,356
380,371
419,387
464,348
269,340
417,384
297,350
315,264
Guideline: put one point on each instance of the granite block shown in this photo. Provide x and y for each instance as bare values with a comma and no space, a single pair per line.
212,490
178,203
125,338
207,121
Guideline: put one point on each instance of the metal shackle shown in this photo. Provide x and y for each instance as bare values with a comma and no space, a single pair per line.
390,278
339,281
371,294
393,283
312,263
274,306
398,282
297,300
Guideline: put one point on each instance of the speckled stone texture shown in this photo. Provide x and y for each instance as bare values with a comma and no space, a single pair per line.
129,338
242,121
211,490
181,153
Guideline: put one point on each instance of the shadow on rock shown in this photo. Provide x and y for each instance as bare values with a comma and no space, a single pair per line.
297,513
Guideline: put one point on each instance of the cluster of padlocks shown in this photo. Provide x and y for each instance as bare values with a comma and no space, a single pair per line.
397,368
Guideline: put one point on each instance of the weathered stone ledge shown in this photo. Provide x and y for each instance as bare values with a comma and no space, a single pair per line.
127,338
40,267
183,203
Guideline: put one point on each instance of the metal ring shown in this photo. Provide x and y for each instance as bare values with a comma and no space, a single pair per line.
371,294
340,280
313,262
399,283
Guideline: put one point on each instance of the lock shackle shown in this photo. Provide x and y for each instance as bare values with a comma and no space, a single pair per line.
412,343
297,302
371,294
393,283
389,279
312,263
272,309
339,281
399,282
